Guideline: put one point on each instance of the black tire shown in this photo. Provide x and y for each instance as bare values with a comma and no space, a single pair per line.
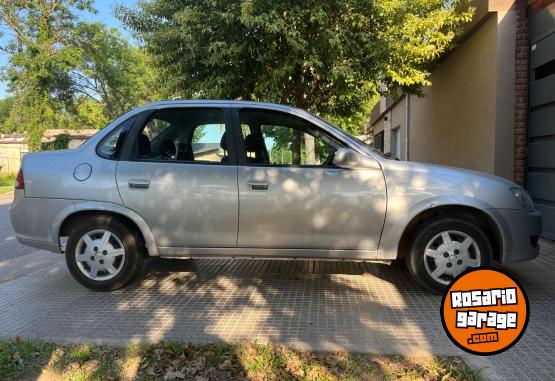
132,262
430,229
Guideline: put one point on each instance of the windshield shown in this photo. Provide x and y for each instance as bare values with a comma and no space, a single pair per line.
366,145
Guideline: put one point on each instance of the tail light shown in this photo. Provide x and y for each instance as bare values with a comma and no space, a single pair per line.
19,180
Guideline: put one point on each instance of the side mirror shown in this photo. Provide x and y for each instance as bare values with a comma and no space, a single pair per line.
346,158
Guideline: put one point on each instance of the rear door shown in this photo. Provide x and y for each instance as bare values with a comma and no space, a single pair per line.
293,197
179,176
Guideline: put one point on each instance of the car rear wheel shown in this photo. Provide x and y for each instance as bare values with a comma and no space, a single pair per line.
103,254
443,248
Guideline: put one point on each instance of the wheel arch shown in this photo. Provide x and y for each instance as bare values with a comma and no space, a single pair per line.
465,212
85,210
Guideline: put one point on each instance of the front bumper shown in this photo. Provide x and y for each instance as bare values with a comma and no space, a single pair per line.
520,231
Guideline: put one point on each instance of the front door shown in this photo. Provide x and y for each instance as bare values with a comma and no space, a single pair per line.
180,178
293,197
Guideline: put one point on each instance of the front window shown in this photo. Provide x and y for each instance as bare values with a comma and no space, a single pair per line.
184,134
273,138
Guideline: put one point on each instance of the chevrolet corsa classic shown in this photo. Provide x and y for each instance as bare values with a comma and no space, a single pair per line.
242,179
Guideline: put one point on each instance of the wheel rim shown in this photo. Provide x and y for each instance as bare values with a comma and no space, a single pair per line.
450,253
100,255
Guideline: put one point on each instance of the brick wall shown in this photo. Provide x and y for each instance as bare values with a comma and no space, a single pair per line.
521,91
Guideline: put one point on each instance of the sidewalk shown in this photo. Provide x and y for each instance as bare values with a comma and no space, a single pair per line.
14,268
317,305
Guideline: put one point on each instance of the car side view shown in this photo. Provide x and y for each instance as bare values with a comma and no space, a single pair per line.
245,179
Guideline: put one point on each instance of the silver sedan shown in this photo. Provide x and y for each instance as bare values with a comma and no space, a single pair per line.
243,179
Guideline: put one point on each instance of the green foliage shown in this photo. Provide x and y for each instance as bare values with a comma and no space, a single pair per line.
6,106
331,56
7,183
180,360
325,56
87,113
111,72
304,55
59,142
18,358
415,33
65,73
41,56
34,113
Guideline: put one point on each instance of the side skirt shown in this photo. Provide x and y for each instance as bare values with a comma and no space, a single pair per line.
252,252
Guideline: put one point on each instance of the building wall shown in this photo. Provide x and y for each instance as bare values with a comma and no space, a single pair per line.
467,117
398,121
453,124
10,156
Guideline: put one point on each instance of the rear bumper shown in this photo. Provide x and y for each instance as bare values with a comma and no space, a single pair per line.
520,231
33,220
42,245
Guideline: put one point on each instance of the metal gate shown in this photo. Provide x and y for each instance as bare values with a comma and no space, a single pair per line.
541,124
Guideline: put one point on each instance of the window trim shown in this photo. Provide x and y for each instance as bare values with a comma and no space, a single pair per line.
130,151
240,143
128,129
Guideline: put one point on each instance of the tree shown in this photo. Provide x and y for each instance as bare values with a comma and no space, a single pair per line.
327,56
40,58
6,106
111,70
415,33
86,113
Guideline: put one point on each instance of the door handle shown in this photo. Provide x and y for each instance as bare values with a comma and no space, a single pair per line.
258,186
140,184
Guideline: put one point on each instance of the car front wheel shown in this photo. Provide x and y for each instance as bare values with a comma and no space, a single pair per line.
103,254
443,248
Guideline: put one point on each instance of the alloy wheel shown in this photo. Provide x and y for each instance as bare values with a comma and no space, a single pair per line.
450,253
100,255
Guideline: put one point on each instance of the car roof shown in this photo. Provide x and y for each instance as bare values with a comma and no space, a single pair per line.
221,102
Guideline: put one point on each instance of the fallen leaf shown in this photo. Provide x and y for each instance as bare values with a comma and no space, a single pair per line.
90,365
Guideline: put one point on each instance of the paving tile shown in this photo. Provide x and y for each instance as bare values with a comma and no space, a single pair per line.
315,304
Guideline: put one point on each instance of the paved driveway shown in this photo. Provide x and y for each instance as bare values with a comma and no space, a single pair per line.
9,247
315,304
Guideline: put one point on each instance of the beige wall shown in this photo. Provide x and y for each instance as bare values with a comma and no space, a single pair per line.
10,156
396,119
466,118
454,123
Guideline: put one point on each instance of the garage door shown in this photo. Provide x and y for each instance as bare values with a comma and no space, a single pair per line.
541,125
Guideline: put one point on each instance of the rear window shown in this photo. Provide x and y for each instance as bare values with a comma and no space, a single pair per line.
110,147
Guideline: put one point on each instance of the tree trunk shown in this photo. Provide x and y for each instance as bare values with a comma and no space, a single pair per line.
309,144
296,147
309,147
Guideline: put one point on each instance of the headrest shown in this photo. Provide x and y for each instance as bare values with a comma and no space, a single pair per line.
252,144
144,145
223,142
167,148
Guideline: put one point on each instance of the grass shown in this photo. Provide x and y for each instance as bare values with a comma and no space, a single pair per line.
25,360
7,182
